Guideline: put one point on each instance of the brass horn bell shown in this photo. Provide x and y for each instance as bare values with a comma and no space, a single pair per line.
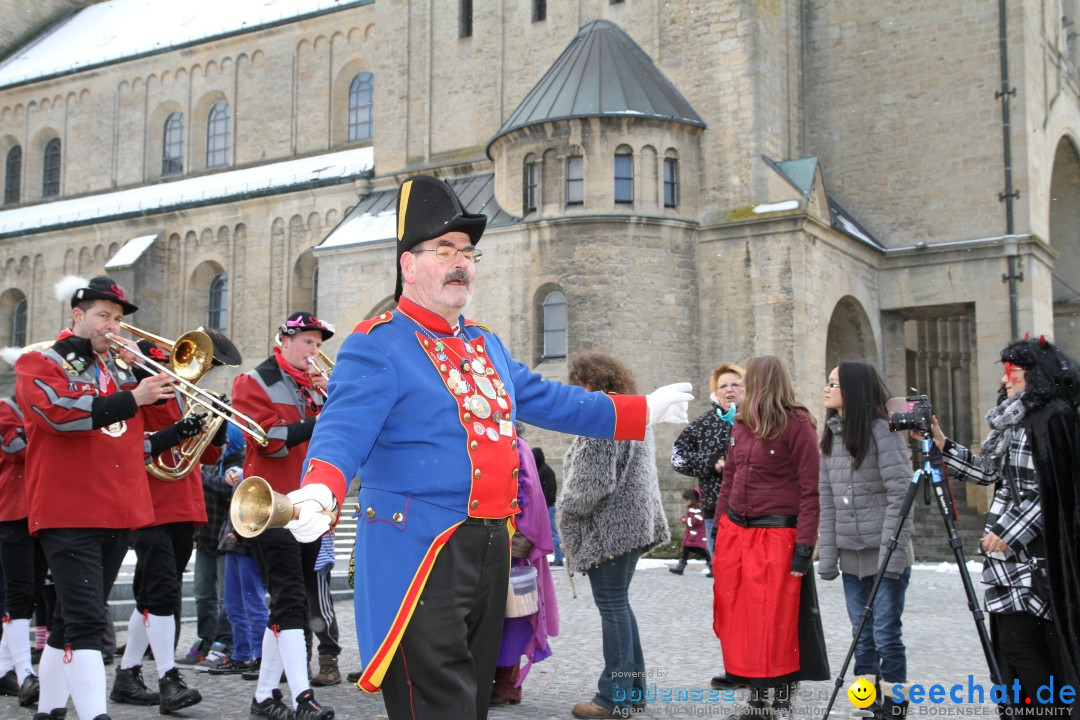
256,507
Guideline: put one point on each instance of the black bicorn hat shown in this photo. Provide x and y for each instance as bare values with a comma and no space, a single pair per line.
103,287
301,321
428,208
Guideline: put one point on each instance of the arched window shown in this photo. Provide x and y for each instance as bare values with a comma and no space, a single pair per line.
671,182
217,135
18,324
575,180
624,175
13,175
361,98
172,147
554,325
50,169
530,185
315,292
216,303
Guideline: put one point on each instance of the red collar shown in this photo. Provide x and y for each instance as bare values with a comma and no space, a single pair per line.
302,378
425,317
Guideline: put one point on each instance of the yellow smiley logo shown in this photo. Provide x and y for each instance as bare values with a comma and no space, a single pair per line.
861,693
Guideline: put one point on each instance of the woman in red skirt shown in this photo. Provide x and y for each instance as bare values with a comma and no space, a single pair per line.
766,532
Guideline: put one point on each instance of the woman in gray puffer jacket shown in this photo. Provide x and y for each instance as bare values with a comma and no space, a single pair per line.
610,512
864,475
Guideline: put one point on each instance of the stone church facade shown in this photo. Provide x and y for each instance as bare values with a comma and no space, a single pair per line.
678,183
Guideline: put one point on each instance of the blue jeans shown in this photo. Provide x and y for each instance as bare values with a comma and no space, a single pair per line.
213,623
245,600
880,647
623,679
555,538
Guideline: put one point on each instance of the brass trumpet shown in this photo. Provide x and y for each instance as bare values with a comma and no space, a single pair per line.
191,357
324,366
255,508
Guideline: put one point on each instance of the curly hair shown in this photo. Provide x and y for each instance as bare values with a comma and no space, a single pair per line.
1048,372
725,369
597,371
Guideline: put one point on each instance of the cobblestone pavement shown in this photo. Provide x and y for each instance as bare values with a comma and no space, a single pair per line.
681,653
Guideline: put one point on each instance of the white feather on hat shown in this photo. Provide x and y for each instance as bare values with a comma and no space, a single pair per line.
68,285
10,354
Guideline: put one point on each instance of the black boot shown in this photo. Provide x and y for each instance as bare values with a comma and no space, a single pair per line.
273,707
891,709
175,694
308,709
9,683
781,705
56,714
29,691
757,706
129,688
678,569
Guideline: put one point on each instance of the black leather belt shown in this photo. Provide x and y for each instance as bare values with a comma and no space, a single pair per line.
764,521
486,522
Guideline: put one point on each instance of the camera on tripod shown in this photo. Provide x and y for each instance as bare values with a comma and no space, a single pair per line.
918,416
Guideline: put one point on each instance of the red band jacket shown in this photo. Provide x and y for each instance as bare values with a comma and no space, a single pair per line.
12,457
85,465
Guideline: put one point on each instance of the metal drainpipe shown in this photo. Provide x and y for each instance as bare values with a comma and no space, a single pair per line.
1004,94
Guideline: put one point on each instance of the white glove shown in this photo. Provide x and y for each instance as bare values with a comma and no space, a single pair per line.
311,500
669,403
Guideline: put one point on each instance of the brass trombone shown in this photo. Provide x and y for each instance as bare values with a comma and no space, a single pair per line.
324,366
191,356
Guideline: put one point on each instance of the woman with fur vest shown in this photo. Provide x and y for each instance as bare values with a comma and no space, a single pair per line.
864,478
610,512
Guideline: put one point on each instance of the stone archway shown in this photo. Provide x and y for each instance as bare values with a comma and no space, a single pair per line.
1065,237
850,335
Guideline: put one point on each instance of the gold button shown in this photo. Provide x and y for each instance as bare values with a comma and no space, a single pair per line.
398,517
370,512
513,444
514,473
513,503
467,417
476,473
442,368
425,342
383,316
480,349
473,445
474,504
489,372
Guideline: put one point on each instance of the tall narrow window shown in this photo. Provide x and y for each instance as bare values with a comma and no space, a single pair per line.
18,324
13,175
172,148
50,169
530,185
315,293
554,325
465,19
539,10
575,180
671,182
216,303
624,177
217,135
361,99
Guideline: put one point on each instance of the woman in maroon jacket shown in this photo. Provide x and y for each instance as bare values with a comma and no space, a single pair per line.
767,528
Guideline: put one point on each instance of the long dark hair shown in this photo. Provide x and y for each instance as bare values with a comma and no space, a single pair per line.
864,394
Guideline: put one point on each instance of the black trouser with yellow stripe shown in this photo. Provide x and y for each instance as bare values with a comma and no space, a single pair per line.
445,664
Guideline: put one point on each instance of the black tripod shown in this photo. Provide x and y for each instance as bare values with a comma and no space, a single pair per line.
944,502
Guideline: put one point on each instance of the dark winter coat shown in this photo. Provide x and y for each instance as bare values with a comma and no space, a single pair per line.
610,502
698,447
547,477
860,506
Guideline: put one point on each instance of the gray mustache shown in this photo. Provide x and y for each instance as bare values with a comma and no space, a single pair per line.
457,276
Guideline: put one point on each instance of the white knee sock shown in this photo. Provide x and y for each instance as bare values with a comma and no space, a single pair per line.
270,670
18,645
6,661
86,681
54,687
162,632
137,641
293,651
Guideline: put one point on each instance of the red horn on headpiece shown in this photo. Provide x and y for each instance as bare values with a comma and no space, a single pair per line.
1042,341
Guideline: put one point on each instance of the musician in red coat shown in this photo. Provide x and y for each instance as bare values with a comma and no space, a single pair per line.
284,396
20,554
85,479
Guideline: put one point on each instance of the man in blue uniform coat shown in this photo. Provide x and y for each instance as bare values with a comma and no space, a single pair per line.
421,407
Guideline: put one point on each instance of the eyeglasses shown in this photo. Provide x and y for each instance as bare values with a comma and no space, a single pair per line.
834,386
448,253
1010,368
727,386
